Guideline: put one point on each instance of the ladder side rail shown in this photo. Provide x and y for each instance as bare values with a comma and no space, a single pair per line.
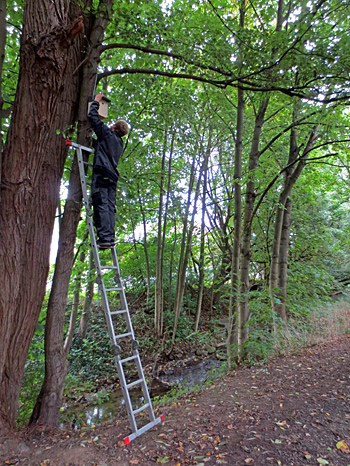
144,387
126,394
123,300
107,312
139,368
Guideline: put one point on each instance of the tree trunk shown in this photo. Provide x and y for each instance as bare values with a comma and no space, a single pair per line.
201,256
32,166
162,213
237,220
243,314
46,410
283,260
3,33
134,241
158,286
171,265
85,316
74,313
145,249
185,248
290,181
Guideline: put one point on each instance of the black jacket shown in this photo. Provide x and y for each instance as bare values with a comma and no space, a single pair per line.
108,147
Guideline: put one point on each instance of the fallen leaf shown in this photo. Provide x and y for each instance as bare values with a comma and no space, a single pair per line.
163,460
249,460
135,461
322,461
342,446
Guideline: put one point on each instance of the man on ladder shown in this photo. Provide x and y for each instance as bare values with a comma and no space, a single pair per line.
108,150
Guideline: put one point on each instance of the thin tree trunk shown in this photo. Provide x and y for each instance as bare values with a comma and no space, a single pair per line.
46,410
283,260
145,248
201,256
290,181
237,221
32,166
243,314
185,249
74,313
86,314
162,213
158,290
171,265
135,244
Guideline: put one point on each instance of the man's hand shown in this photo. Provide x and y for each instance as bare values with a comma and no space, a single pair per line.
98,97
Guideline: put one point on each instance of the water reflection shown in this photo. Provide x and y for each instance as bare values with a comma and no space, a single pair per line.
108,405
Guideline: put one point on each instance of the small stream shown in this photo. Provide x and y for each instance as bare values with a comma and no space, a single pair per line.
108,405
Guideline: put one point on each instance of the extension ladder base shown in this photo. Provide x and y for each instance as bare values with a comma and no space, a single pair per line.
143,429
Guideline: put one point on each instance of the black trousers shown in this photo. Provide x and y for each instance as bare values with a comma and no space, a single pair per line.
103,193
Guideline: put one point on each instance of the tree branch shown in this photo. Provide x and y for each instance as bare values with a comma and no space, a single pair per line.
103,48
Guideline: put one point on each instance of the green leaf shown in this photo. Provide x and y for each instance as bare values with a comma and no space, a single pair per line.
322,461
163,460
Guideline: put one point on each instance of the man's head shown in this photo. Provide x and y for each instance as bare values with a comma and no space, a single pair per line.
121,128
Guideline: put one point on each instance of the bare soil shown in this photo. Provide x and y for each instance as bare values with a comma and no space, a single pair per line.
291,411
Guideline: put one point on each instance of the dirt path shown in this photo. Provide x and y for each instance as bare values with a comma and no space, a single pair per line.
292,411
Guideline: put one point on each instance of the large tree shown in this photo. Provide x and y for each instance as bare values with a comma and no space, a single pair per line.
51,50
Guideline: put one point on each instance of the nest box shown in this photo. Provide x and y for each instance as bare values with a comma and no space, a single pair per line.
103,110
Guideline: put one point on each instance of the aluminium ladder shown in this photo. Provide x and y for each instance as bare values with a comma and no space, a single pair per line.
124,311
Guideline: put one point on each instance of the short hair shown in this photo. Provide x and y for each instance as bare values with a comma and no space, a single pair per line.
121,127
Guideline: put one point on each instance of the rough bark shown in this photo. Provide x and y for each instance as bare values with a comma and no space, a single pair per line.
48,404
3,33
32,166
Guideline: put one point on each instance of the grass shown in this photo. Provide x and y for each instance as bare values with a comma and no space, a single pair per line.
324,324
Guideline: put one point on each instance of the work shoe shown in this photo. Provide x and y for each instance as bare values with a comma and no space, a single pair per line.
105,244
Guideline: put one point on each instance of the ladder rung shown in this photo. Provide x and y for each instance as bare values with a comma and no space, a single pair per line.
108,267
113,313
87,163
128,359
141,409
134,383
124,334
113,289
